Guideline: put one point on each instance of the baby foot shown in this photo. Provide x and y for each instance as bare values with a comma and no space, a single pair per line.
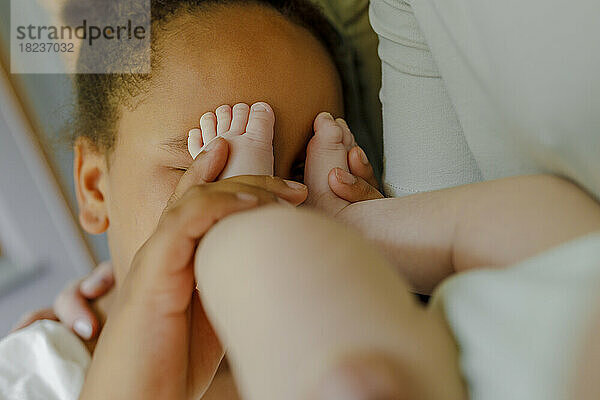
327,149
249,131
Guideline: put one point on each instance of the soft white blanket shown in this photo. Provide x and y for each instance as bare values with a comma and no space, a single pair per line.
45,361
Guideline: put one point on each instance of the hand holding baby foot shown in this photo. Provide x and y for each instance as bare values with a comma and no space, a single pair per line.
249,131
332,161
360,184
157,298
158,342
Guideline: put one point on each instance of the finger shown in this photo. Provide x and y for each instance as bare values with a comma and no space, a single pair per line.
240,188
207,166
171,247
74,311
208,125
161,273
291,191
30,318
99,282
204,343
350,187
360,166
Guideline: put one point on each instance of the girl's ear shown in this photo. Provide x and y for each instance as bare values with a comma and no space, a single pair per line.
90,174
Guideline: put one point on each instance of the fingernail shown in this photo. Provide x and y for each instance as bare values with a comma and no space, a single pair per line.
247,197
295,185
83,328
91,284
259,107
363,156
328,116
344,177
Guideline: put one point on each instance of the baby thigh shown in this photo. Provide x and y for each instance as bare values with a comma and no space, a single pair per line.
293,294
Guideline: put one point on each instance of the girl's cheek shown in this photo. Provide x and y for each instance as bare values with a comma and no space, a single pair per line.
154,189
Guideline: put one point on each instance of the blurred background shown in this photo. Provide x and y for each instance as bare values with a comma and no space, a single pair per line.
42,247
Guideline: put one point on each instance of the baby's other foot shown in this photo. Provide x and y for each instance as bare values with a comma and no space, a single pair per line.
249,131
327,149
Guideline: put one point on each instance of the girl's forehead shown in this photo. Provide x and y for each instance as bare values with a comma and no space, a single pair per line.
248,52
200,70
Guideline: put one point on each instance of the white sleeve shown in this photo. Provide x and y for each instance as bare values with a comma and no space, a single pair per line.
523,77
424,145
44,361
522,329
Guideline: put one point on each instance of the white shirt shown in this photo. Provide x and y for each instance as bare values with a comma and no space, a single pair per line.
477,90
484,89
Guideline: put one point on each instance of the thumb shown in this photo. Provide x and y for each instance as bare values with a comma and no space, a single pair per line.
351,188
99,282
359,165
207,166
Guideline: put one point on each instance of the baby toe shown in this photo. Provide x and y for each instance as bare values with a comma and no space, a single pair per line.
239,118
261,122
223,119
327,130
195,142
208,125
347,136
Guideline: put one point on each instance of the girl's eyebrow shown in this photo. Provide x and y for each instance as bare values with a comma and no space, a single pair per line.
176,145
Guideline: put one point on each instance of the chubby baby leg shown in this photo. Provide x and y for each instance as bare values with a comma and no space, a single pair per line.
295,296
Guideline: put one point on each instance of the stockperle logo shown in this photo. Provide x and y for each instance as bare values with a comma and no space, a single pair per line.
106,36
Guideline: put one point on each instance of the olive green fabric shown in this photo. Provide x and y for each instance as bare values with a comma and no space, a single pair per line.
351,19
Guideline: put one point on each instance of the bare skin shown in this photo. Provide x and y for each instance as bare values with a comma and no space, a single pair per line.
151,156
254,58
255,329
372,370
416,390
336,296
449,231
156,340
110,197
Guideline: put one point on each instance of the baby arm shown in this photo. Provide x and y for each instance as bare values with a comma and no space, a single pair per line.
431,235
